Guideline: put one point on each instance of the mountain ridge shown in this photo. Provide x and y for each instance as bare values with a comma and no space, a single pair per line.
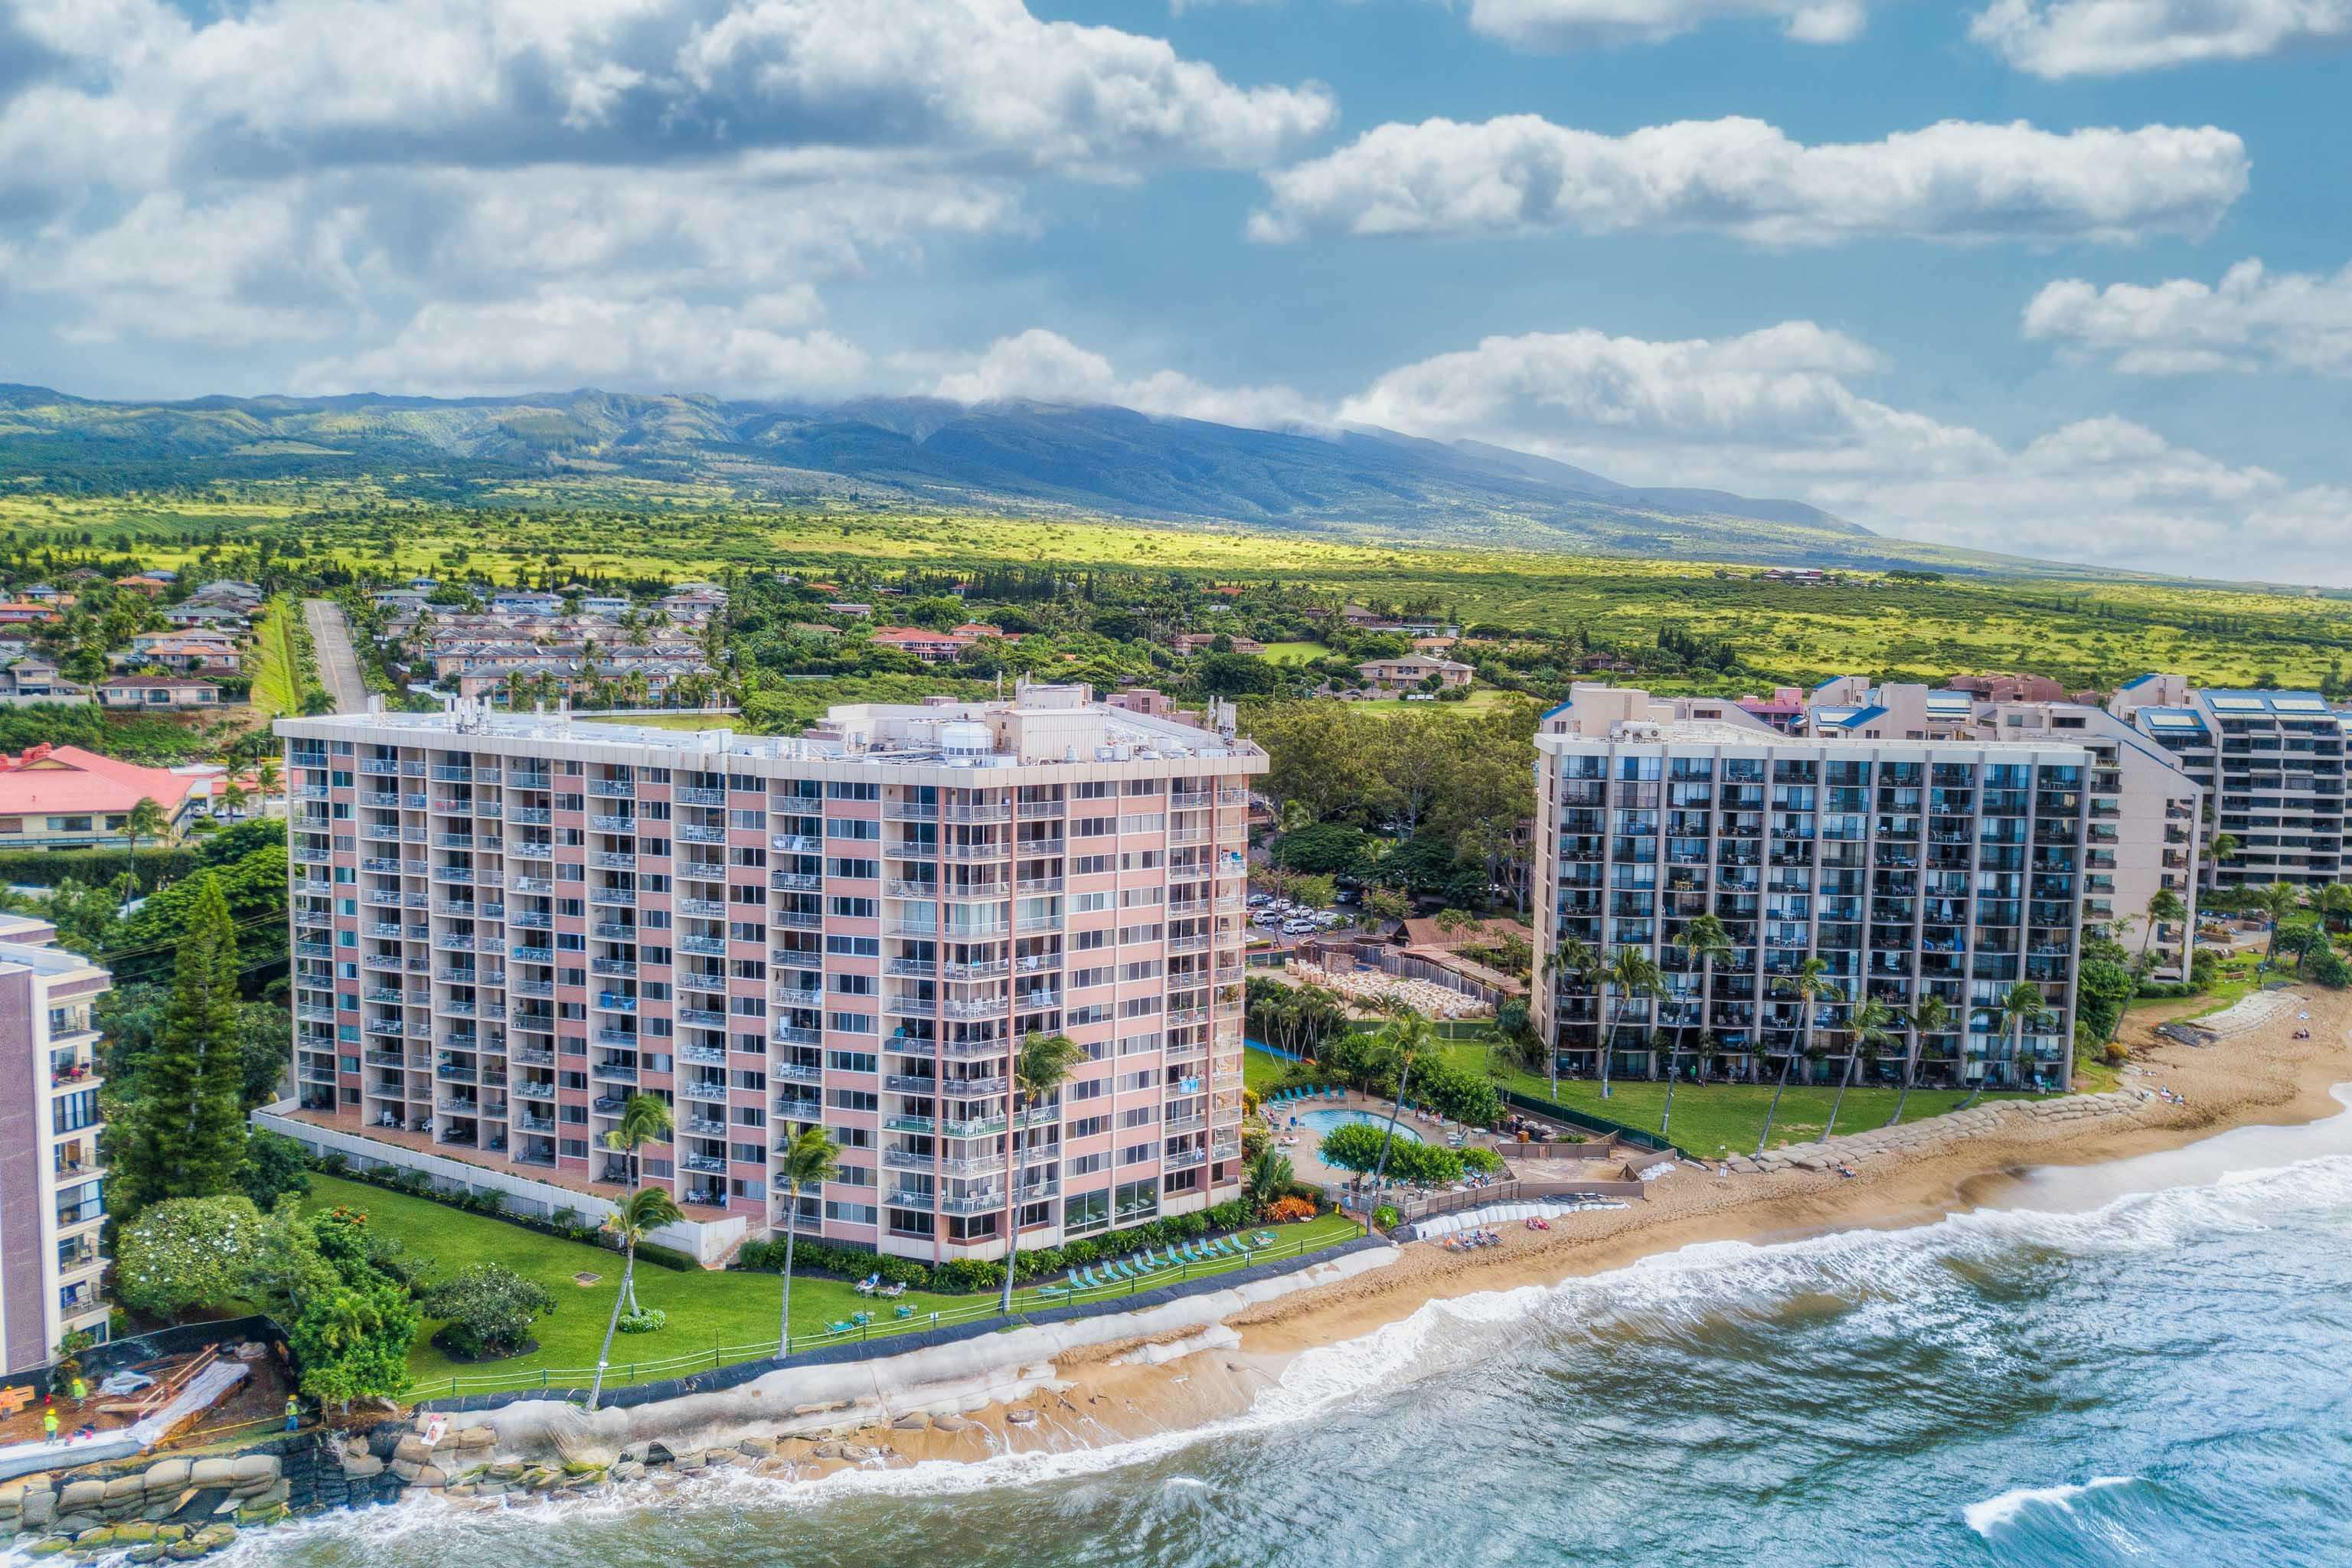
1010,458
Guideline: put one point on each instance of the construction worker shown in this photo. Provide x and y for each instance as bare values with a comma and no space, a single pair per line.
293,1413
80,1391
49,1422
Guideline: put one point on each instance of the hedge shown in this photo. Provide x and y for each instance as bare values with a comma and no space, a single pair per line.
970,1276
153,865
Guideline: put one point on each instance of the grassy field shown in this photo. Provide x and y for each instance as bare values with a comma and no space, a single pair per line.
1293,652
2086,631
1719,1118
277,671
704,1309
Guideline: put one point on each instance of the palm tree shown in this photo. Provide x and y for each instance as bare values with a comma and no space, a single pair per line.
808,1160
1867,1023
1926,1017
2278,901
232,797
2019,1005
1813,986
1408,1034
640,1215
1039,1066
1579,963
1705,939
2164,908
645,1119
145,820
1269,1177
2224,845
1630,972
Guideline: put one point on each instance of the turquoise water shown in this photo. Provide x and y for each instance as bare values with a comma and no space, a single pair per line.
1325,1120
2146,1365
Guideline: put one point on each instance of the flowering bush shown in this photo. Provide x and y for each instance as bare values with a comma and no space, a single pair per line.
1288,1211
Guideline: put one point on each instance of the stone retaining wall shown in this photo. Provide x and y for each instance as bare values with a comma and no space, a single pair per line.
175,1508
1937,1133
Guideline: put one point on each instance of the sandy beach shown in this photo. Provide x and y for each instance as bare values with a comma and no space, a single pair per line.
2262,1077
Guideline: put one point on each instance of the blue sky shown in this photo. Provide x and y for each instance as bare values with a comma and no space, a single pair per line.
2063,276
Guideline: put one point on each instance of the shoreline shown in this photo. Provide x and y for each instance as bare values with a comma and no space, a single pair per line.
1141,1389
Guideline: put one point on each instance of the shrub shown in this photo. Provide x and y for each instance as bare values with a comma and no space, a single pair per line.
489,1309
969,1274
644,1323
184,1253
1288,1211
1485,1162
1385,1218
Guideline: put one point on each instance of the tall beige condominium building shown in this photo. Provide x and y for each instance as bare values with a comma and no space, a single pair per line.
1908,867
505,925
51,1197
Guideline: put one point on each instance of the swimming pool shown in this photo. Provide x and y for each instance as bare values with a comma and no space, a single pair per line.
1324,1121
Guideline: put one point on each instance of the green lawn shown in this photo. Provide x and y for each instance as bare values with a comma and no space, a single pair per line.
276,679
725,1310
1293,652
1725,1119
1261,1071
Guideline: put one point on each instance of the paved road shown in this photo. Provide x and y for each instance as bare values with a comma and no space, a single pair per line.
332,635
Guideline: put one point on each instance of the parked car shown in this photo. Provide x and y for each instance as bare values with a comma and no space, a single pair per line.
1298,927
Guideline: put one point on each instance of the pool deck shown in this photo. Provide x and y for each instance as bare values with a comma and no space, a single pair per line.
1301,1152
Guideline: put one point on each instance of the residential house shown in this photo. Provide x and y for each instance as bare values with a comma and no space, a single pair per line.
154,693
931,647
1409,672
29,679
1187,643
65,797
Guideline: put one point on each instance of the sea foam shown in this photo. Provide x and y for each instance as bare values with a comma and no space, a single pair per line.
1991,1514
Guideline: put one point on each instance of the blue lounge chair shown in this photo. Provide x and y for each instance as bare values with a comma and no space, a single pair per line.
906,1311
839,1328
1117,1272
1192,1253
1146,1262
1217,1246
1136,1262
1265,1239
1088,1281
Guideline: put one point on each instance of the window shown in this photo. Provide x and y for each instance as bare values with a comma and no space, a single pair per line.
851,827
839,867
854,985
1089,864
852,789
1086,1165
1089,903
1090,1127
851,1061
854,909
850,1023
855,946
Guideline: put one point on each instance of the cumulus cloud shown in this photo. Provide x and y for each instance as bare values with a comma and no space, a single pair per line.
2252,320
2108,37
1952,181
1778,411
274,170
1047,367
1569,24
764,347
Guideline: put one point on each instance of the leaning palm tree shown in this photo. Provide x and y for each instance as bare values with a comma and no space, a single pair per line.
808,1160
1630,973
1039,1066
1867,1026
2021,1006
645,1119
640,1215
1813,986
1927,1015
1579,963
1705,940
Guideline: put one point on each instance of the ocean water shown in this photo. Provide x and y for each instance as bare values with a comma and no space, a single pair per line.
2153,1366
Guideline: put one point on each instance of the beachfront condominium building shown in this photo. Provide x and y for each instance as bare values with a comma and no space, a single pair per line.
2271,763
2145,808
505,925
49,1166
1908,867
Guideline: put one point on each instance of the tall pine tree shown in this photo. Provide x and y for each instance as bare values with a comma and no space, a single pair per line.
188,1130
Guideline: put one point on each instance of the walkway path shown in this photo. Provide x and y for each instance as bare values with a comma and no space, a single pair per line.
338,666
